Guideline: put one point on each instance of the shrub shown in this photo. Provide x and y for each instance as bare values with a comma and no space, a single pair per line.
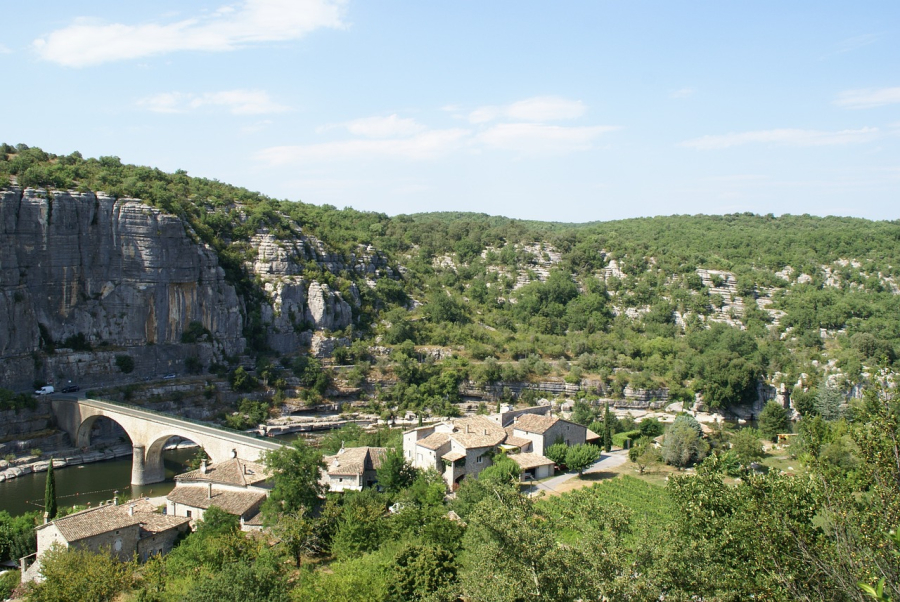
125,363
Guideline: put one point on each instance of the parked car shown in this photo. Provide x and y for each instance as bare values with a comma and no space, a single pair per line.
46,390
70,389
169,376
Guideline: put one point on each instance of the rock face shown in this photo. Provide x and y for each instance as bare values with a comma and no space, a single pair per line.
131,279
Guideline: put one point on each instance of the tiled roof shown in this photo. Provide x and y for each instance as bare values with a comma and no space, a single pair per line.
233,472
232,502
527,461
453,456
518,441
591,435
255,521
354,460
532,423
102,519
477,431
434,440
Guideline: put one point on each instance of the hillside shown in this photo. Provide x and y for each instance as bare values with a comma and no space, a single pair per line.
187,273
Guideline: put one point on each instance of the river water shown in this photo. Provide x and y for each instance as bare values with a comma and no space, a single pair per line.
89,483
96,482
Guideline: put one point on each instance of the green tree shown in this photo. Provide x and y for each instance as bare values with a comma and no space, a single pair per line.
644,454
50,493
217,522
579,457
503,470
419,572
607,430
241,381
829,401
650,427
682,445
557,452
582,412
125,363
74,575
395,473
746,445
774,420
295,476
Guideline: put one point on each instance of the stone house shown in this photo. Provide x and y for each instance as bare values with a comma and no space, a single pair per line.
456,448
124,530
238,487
544,431
352,468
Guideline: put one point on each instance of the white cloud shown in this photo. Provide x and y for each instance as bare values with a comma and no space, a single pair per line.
537,109
425,145
682,93
237,102
868,98
384,127
87,42
537,138
4,50
786,137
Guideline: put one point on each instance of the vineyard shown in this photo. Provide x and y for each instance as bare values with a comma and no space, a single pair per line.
649,505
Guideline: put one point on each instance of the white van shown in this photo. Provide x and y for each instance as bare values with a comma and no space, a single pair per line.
45,390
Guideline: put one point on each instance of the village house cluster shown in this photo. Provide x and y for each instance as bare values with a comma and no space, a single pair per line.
455,448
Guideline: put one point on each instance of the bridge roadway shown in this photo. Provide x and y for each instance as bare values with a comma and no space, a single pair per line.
149,432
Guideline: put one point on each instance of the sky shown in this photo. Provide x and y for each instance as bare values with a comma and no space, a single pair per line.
564,111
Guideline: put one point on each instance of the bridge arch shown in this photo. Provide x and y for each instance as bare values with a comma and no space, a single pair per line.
85,431
149,432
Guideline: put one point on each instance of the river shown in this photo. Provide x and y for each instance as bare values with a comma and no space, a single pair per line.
89,483
96,482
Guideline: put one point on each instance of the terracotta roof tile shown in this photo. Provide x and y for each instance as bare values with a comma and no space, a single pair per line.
102,519
434,440
452,456
232,502
532,423
477,431
233,472
354,460
527,461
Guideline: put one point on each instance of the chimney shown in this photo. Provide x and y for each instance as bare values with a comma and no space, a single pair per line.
485,431
209,491
131,510
467,428
203,467
115,498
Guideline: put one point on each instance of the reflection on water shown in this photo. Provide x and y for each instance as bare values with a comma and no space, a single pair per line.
89,483
94,483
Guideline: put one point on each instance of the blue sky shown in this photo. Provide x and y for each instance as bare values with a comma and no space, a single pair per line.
568,111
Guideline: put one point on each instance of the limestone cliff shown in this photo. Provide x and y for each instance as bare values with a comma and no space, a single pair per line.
131,279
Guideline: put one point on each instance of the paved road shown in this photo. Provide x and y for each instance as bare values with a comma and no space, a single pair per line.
606,462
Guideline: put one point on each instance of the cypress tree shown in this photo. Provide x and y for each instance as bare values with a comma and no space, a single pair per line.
607,430
50,494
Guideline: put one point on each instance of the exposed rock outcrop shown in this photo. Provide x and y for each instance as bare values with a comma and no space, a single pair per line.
127,278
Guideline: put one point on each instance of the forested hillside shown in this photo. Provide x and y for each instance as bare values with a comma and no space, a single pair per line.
708,305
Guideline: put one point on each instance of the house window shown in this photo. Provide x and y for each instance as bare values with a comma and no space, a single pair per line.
479,459
188,513
340,479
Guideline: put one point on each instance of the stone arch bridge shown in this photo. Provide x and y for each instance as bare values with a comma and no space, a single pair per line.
149,432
